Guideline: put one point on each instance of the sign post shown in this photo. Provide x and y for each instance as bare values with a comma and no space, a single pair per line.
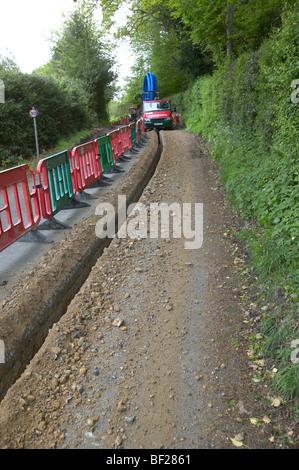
2,91
34,113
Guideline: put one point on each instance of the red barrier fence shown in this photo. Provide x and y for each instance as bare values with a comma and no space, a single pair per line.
125,137
85,166
16,217
56,188
121,121
138,134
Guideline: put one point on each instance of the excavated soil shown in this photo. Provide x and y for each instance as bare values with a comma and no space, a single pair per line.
41,297
152,352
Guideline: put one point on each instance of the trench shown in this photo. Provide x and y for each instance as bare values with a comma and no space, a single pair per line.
22,349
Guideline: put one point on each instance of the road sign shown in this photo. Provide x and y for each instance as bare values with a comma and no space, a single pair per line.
33,113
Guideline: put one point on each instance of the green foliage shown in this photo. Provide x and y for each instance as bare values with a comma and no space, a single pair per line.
208,24
62,110
117,110
79,56
168,49
71,92
134,84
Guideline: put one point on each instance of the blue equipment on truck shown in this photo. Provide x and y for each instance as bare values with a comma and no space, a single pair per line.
156,113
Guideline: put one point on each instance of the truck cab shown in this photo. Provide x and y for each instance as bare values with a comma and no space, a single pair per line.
157,114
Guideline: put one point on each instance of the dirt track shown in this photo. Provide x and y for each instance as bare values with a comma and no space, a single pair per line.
152,352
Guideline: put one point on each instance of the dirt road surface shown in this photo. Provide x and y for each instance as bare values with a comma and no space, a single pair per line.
152,352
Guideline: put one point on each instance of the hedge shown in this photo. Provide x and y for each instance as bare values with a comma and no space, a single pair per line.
62,111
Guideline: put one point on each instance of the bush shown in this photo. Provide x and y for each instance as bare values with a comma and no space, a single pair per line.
62,111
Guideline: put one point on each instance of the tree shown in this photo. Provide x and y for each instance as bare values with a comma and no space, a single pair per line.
221,27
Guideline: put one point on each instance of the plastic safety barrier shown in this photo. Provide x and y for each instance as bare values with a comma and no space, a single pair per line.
138,131
85,166
19,208
125,137
105,153
142,127
55,179
133,133
115,144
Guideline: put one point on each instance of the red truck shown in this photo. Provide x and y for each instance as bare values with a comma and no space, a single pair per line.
157,114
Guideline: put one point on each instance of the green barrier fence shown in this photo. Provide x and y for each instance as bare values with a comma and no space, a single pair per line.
139,130
133,133
105,152
56,183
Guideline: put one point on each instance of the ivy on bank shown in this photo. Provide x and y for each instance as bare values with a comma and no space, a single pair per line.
62,111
